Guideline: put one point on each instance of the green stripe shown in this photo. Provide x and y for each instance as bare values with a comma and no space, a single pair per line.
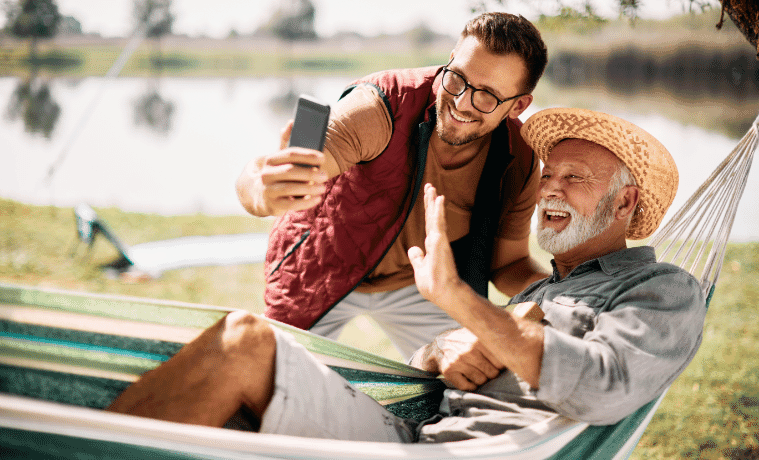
75,356
419,408
78,390
83,346
21,445
322,346
179,314
135,309
94,339
602,442
388,391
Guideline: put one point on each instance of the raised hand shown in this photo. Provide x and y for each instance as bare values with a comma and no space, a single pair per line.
435,273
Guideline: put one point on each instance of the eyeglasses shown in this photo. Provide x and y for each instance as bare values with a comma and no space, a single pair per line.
482,99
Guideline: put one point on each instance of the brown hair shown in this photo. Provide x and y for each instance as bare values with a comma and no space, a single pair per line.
504,33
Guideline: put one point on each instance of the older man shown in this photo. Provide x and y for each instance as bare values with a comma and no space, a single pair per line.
619,327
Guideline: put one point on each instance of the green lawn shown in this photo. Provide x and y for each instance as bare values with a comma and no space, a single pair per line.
711,411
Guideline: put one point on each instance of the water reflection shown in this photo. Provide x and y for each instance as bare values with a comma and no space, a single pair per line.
286,96
33,102
153,110
218,125
685,75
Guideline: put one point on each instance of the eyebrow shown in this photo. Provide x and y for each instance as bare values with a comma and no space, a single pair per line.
492,91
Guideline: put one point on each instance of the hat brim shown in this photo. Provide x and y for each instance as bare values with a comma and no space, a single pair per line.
647,159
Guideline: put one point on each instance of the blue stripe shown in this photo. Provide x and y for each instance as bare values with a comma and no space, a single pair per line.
86,347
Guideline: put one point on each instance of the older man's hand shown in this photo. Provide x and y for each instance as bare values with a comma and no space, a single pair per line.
461,359
435,273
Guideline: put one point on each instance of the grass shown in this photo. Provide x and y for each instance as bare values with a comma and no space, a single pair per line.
710,412
179,57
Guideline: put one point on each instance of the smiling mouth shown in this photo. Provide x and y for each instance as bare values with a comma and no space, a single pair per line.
553,216
459,118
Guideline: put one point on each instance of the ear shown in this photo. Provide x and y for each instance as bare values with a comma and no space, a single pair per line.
626,202
520,105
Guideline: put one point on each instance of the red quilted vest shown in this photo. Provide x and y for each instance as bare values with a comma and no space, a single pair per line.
318,256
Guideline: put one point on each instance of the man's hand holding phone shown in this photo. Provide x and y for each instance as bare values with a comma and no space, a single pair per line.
293,178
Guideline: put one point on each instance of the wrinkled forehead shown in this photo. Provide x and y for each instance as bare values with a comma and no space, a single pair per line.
582,153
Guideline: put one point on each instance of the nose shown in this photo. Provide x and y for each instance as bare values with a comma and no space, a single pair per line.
550,188
463,101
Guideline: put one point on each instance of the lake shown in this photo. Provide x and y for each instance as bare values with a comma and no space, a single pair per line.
176,145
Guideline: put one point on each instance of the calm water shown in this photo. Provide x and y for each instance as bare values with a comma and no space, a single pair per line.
176,146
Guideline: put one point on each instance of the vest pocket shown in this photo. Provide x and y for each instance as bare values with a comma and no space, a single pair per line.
292,250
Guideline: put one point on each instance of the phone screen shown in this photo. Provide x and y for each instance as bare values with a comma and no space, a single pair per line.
310,125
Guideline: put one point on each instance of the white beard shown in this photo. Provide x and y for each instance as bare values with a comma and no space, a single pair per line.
580,228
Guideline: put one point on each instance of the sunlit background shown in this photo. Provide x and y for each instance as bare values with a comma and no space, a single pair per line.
191,106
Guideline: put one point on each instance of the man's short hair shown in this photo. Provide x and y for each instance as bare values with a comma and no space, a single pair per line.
504,33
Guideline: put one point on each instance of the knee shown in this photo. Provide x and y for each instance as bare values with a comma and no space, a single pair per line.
246,333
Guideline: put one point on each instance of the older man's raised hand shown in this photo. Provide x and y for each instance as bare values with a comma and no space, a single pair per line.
435,273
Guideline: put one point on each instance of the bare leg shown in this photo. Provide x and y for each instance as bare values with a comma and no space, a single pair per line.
229,365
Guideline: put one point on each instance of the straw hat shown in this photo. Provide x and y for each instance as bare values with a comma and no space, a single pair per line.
649,162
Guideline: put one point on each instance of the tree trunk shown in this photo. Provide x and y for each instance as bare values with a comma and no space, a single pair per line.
33,50
745,15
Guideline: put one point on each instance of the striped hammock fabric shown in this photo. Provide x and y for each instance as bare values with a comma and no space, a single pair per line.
64,356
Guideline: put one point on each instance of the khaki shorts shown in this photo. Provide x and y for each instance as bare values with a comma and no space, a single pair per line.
408,319
311,400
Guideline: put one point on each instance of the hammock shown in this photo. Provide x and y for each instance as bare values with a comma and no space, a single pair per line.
65,355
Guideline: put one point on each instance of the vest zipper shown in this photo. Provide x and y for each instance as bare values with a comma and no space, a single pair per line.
289,253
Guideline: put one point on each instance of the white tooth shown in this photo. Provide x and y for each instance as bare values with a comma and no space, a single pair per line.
464,120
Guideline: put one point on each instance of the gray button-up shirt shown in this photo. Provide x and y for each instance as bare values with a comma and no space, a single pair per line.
620,329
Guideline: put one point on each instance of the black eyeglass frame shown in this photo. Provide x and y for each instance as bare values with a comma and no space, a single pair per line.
474,90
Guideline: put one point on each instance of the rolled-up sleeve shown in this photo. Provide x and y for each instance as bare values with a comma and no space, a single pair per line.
359,129
633,353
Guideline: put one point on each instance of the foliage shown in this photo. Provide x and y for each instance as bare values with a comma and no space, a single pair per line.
154,16
33,102
421,35
293,20
571,20
627,8
33,19
70,26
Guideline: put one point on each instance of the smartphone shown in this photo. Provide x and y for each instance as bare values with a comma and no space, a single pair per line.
310,127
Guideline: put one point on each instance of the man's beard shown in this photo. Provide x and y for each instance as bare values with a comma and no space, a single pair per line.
446,136
580,228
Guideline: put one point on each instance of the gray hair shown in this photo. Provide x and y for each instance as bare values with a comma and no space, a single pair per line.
622,178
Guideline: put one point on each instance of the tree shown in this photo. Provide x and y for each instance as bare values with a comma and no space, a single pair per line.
627,8
293,20
33,19
70,26
154,16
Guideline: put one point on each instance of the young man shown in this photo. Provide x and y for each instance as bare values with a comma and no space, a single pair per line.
619,327
350,215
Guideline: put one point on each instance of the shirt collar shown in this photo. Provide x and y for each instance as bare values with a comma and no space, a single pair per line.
614,262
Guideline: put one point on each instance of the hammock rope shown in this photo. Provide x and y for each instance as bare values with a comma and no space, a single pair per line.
706,219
